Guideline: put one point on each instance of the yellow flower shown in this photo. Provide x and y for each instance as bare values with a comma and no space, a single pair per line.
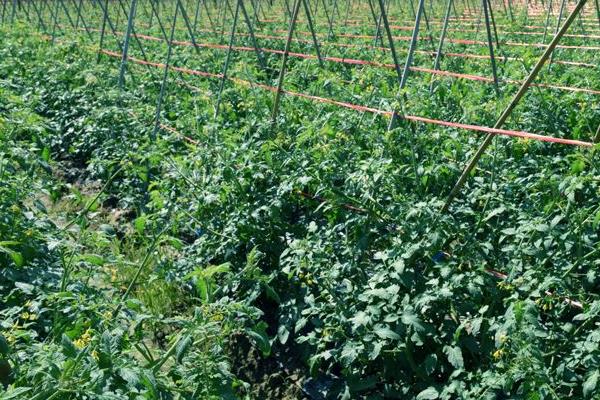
11,339
217,317
503,338
498,354
84,340
94,355
505,285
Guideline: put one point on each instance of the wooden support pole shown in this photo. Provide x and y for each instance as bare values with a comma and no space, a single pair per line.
513,104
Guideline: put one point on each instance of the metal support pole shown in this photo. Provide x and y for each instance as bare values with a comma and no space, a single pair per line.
55,20
377,22
103,30
438,54
391,42
286,52
560,14
312,31
514,102
413,44
126,44
257,50
510,10
154,12
165,76
548,20
80,18
490,44
79,3
188,25
39,15
597,135
13,11
489,2
196,15
227,59
3,10
329,20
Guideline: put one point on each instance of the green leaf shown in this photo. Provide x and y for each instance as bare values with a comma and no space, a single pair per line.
589,386
26,288
93,259
17,258
46,154
411,319
182,347
69,348
149,381
455,356
14,255
4,347
386,333
130,376
494,212
140,224
283,334
258,336
16,394
361,318
428,394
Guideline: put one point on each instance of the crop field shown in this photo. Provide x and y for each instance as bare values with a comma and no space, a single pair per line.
299,199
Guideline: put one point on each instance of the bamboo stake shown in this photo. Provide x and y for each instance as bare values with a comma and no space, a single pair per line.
515,101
